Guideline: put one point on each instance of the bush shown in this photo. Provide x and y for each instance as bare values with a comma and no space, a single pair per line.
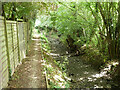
95,58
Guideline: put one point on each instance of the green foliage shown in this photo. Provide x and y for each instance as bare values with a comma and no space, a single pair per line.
54,73
43,37
45,45
10,72
90,23
21,10
95,58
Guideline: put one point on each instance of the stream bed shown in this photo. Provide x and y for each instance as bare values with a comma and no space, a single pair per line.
81,74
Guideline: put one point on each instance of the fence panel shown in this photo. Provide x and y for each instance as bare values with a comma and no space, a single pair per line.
17,44
3,56
10,45
21,40
25,35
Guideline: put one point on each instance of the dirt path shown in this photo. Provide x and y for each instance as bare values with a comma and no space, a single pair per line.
82,75
30,73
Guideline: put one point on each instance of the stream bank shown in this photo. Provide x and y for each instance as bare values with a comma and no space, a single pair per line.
80,74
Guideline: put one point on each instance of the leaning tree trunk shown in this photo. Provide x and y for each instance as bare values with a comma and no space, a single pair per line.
117,34
70,43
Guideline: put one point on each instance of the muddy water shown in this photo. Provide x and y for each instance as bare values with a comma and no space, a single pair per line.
82,75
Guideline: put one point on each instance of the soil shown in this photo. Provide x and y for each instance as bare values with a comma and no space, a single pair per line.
82,75
30,73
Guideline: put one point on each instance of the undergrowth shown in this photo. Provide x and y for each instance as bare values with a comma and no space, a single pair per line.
55,76
94,57
56,70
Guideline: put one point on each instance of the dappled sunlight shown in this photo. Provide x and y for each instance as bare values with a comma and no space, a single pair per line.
44,49
37,22
68,78
34,77
35,60
75,44
103,73
36,49
86,72
36,34
58,77
43,61
110,64
90,79
96,86
49,66
79,79
38,44
53,54
99,75
115,63
54,74
43,40
72,68
33,39
24,54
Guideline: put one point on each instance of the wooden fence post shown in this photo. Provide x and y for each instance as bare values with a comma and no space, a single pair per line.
7,49
0,70
12,44
18,42
1,8
27,36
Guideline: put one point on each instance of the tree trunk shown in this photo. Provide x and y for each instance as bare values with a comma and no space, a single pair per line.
70,43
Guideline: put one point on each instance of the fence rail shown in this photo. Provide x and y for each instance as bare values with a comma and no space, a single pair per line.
13,47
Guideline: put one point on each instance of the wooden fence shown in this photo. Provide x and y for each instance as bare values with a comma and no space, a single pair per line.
13,47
